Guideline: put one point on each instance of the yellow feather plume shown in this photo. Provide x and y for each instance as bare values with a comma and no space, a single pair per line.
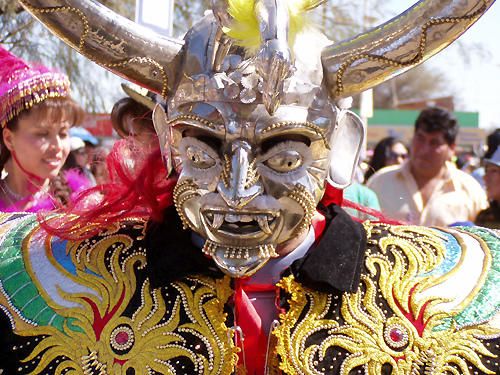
245,27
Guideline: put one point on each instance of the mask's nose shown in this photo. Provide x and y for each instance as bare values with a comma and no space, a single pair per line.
239,183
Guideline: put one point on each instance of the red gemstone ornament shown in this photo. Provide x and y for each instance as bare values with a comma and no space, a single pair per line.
396,336
122,338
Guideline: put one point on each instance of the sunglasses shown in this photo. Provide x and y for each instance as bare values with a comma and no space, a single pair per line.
397,155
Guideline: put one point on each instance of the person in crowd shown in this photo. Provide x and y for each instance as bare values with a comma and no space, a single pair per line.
98,165
428,189
228,252
131,116
73,163
490,217
388,151
36,113
492,143
361,196
83,155
466,161
77,145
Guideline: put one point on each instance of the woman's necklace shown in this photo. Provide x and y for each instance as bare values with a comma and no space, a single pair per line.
13,196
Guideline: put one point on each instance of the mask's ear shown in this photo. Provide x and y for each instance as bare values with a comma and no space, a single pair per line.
345,146
164,134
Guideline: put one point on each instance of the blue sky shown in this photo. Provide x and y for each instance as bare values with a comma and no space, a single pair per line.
477,82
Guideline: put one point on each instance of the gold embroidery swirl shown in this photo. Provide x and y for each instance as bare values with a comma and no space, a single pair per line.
183,321
384,323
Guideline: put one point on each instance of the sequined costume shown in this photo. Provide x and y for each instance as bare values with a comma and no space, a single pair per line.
256,120
99,307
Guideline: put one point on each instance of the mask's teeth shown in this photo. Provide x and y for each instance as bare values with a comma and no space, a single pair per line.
264,224
231,218
218,220
246,218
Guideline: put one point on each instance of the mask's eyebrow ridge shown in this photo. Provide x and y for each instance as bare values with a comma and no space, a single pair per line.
298,124
192,118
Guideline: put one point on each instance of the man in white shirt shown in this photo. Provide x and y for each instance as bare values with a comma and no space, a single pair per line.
428,189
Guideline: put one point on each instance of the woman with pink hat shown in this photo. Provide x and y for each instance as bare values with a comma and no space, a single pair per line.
36,112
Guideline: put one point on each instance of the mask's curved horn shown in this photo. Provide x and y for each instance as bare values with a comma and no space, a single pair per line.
121,46
392,48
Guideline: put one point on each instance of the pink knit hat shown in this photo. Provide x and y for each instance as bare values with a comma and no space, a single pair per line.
22,85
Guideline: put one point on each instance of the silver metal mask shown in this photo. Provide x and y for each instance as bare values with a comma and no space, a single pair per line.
252,157
253,135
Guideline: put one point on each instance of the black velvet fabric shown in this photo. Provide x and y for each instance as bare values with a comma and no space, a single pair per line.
171,253
335,263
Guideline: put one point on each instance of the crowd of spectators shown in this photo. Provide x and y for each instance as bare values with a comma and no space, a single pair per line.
428,189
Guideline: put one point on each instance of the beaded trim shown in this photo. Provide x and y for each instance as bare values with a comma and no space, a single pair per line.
396,336
30,92
300,195
264,251
183,191
122,338
297,124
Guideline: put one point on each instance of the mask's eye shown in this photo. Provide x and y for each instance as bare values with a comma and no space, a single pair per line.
199,158
284,161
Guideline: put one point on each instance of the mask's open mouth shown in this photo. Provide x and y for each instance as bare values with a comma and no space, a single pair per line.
241,223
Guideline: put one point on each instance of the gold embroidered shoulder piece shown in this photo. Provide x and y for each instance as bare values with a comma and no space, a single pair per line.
428,303
87,308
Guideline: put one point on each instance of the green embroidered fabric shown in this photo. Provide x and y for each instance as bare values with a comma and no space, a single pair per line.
16,285
487,303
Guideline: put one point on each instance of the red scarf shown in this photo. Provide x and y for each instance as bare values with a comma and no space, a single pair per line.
253,344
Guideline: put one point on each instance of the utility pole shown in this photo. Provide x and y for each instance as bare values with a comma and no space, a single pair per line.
366,97
157,15
394,93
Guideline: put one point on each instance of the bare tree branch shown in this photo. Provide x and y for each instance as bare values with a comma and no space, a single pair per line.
96,89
